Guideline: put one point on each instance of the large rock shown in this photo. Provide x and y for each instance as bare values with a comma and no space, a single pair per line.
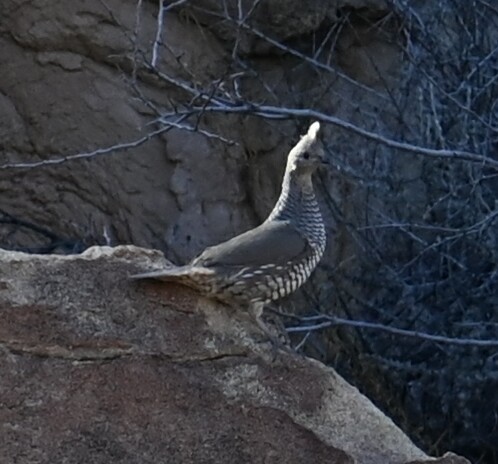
97,368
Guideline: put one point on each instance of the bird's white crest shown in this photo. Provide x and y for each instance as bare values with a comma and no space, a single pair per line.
313,130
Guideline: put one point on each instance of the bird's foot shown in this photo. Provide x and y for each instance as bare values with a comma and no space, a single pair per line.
276,343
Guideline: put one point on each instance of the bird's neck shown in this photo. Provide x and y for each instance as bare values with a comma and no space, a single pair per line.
298,205
297,199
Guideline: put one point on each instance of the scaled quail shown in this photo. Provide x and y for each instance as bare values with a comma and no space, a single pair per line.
274,259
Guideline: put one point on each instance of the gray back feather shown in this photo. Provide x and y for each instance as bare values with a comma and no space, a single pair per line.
275,242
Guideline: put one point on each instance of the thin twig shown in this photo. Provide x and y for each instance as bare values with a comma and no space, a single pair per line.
291,51
135,38
159,29
204,132
163,9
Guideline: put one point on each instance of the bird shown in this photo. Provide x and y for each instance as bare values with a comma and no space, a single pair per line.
275,258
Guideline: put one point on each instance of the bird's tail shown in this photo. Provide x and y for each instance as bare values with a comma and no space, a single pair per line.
192,276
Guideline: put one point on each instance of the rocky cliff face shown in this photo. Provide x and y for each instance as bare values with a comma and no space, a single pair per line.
63,93
66,89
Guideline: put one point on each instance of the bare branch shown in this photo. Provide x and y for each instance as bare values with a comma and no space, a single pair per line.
91,154
332,321
273,112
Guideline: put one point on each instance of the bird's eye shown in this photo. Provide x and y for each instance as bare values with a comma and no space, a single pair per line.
306,155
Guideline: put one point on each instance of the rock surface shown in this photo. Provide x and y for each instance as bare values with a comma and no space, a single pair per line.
96,368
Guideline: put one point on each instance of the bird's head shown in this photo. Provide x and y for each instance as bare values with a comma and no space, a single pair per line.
308,154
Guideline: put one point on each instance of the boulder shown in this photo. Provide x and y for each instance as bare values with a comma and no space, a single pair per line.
97,368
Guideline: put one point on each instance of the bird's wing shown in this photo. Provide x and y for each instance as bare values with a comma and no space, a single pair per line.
275,242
